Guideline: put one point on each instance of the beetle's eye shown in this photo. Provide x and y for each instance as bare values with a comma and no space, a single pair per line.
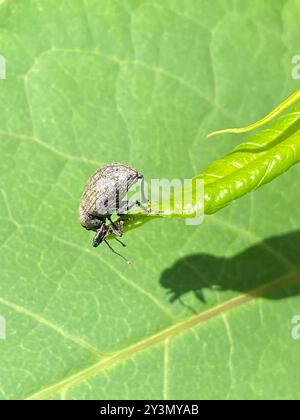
92,216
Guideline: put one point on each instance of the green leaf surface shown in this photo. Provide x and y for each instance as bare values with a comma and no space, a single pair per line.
202,312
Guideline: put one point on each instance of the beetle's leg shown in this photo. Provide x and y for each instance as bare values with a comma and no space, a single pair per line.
128,205
120,242
147,210
115,252
117,230
143,196
100,235
143,204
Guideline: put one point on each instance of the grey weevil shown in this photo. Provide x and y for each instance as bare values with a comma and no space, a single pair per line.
103,196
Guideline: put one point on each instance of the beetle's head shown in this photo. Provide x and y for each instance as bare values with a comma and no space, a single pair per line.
89,221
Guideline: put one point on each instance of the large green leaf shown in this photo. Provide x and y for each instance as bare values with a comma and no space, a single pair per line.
143,82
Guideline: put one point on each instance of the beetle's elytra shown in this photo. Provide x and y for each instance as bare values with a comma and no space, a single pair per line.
103,196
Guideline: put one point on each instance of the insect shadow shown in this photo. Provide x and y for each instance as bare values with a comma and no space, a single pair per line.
248,272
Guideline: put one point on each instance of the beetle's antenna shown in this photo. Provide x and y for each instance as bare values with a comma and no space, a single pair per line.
115,252
122,243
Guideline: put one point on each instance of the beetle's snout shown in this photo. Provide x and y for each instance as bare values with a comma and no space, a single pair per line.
100,236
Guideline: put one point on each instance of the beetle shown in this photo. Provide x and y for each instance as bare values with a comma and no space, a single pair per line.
103,196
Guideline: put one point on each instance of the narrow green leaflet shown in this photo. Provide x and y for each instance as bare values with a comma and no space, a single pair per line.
264,157
203,311
276,112
252,164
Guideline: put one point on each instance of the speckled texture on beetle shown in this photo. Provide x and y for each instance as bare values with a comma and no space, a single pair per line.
103,196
